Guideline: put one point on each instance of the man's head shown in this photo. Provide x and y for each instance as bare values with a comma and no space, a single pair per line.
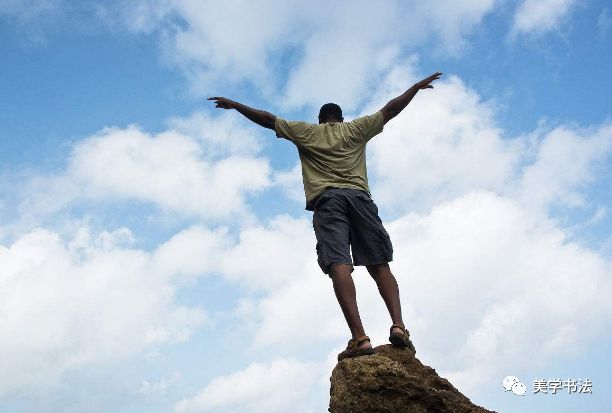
330,112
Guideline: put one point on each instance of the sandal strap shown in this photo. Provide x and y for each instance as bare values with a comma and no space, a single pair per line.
398,326
358,340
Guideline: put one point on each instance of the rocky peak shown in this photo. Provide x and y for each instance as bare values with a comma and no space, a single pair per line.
393,380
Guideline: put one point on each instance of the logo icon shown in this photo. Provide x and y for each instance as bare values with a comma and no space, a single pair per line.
513,384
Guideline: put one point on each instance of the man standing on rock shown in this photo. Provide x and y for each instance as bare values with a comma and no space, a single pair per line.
333,159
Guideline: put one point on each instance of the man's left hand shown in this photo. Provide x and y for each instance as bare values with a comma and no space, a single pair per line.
425,83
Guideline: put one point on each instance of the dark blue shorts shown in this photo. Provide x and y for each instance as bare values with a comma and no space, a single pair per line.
349,217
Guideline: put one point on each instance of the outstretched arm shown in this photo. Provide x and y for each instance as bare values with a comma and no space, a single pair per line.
395,106
260,117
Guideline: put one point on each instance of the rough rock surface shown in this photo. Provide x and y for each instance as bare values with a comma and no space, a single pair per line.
393,380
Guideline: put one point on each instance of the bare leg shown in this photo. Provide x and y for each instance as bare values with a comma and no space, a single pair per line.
344,287
389,291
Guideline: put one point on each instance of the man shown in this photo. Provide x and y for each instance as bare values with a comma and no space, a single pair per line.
334,172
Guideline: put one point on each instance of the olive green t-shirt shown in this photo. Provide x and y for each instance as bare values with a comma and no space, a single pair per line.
332,154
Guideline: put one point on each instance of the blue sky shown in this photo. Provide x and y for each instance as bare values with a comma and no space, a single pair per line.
155,254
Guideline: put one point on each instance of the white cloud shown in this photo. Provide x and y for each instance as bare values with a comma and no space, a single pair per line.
199,175
447,143
505,249
444,144
470,203
472,215
69,304
293,49
308,302
262,257
278,386
291,182
192,252
530,280
166,169
567,160
265,257
225,134
277,260
159,388
449,22
464,226
541,16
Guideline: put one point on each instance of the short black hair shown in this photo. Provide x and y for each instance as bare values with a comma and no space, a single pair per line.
330,111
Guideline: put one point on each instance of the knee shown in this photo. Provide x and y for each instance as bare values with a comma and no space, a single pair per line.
340,270
378,271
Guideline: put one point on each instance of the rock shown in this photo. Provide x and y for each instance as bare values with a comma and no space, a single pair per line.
393,380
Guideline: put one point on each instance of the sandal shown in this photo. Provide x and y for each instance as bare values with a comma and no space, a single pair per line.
401,340
353,350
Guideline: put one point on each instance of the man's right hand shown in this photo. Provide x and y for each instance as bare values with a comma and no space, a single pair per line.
223,103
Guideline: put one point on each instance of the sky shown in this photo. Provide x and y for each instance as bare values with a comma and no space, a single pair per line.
155,253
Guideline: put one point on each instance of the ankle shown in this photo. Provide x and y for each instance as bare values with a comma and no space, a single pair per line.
398,328
364,343
356,335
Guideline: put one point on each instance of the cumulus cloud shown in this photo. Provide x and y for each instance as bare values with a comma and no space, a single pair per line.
201,174
530,280
567,159
308,301
70,304
445,144
240,258
469,208
291,182
220,136
158,389
167,170
529,276
278,386
192,252
276,264
289,248
267,37
471,213
541,16
468,203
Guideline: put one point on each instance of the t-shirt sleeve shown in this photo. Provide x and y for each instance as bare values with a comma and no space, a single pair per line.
296,132
366,127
